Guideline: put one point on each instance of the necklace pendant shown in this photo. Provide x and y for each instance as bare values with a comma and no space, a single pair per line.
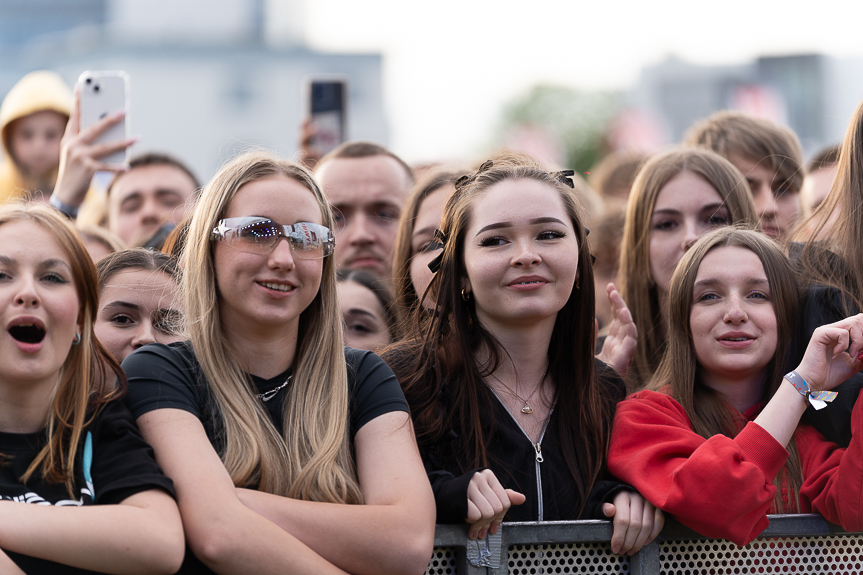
527,409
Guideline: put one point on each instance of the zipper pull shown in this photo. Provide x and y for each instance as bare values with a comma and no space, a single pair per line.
538,448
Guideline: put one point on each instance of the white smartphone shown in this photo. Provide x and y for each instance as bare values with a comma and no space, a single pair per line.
102,94
327,107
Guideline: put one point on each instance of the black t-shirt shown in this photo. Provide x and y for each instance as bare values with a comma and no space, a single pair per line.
169,376
112,462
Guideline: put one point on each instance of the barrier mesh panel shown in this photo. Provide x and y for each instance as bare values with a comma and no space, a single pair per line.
838,554
442,562
565,558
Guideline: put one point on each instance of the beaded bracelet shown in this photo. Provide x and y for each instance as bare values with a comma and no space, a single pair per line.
819,399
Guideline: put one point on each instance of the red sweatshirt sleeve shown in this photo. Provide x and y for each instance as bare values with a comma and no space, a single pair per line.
720,487
832,476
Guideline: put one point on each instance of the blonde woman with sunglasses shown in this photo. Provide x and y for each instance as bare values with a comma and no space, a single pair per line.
290,453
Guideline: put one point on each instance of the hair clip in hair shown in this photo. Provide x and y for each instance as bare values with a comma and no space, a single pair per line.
434,265
461,182
564,177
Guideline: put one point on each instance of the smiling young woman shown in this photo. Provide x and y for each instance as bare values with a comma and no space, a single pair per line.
280,440
678,196
64,442
707,441
512,412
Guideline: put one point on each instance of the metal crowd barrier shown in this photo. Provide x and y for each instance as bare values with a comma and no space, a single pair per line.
791,544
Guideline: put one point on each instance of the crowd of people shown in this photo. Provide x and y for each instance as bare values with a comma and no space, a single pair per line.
183,391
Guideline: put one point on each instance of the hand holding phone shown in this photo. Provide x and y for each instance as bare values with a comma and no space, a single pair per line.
327,109
90,143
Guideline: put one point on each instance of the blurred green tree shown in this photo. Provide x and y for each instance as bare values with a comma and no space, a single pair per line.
575,119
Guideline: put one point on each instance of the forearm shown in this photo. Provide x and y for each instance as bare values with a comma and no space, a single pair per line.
782,413
370,538
107,538
8,566
230,538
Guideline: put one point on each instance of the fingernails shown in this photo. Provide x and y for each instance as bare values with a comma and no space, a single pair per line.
118,115
616,549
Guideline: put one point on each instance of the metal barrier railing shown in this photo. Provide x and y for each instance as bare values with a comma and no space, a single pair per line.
790,544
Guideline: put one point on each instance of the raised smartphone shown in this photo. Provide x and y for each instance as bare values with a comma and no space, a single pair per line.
104,93
327,108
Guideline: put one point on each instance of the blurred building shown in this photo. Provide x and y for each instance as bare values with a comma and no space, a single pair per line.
814,95
208,78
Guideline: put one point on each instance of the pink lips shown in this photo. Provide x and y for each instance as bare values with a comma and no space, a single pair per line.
527,283
736,340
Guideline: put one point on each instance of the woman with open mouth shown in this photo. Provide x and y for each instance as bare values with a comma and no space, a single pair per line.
714,440
290,452
89,496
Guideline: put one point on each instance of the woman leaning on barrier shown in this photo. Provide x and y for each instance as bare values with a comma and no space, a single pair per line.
513,413
290,453
714,440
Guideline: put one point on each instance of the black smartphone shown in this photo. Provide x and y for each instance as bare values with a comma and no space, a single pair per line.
327,108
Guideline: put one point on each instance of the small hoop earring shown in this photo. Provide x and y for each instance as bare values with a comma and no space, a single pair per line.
577,285
77,339
465,296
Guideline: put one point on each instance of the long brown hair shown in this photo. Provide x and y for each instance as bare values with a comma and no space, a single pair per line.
844,235
313,460
443,383
678,371
406,298
636,281
81,389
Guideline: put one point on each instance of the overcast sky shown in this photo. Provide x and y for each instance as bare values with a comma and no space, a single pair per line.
450,64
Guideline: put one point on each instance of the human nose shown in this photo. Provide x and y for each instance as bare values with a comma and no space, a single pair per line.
27,295
282,256
735,313
765,202
526,254
150,212
359,230
145,334
691,233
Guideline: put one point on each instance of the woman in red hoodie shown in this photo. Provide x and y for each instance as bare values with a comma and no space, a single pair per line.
714,439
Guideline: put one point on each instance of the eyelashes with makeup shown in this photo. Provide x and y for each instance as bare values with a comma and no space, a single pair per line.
500,240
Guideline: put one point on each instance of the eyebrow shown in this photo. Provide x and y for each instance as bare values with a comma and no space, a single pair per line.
358,311
714,281
499,225
122,305
714,206
46,264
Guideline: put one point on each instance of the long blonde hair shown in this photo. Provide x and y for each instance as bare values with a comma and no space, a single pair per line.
313,460
636,281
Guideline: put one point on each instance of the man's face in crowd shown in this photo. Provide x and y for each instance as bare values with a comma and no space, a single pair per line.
369,194
778,206
144,198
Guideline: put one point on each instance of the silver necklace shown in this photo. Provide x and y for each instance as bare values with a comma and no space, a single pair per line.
527,409
268,395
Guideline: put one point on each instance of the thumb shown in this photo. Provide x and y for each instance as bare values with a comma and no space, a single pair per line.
608,509
515,497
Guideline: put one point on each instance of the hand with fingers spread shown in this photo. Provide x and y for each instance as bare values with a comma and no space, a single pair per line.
831,356
619,347
487,503
81,158
636,522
